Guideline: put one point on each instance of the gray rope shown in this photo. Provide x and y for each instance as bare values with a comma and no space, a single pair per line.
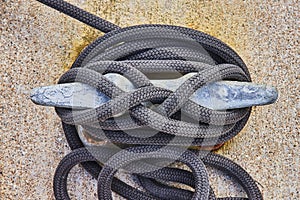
80,15
136,52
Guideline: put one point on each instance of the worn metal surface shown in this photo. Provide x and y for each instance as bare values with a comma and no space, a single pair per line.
220,95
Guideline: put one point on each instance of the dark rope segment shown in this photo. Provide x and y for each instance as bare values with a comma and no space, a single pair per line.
197,178
81,15
128,119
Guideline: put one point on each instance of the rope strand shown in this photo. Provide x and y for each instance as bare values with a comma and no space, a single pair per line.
146,139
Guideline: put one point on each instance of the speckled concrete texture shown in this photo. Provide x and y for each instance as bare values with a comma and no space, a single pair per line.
38,44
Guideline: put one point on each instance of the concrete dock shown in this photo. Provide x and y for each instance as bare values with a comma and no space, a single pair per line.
38,44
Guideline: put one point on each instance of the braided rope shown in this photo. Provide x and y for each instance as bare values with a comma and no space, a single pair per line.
161,133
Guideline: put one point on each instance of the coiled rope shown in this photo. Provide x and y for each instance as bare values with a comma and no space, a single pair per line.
149,138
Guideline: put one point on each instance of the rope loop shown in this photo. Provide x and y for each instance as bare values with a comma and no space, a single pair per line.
150,128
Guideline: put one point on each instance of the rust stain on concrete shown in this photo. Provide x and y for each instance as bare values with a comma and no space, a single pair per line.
226,21
87,34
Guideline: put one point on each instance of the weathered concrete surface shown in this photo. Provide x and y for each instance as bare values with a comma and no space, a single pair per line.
37,44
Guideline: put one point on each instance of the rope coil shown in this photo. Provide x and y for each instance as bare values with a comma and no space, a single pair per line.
161,132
